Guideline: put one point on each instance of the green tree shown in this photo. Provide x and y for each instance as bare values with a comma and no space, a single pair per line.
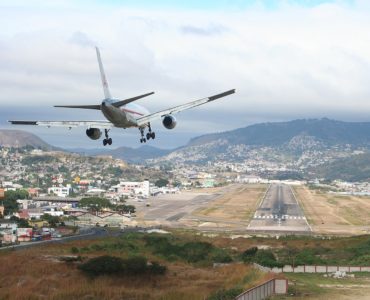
52,220
161,182
125,209
10,200
95,204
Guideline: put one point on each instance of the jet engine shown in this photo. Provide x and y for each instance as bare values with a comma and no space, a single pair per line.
93,133
169,122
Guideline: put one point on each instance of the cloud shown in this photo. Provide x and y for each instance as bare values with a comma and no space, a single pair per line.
82,39
289,62
203,31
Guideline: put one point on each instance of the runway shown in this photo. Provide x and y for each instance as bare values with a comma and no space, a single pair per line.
279,211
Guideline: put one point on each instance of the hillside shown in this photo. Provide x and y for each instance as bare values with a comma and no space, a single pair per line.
131,155
324,130
354,168
19,138
295,145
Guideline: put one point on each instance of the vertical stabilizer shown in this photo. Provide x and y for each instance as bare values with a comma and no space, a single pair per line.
103,77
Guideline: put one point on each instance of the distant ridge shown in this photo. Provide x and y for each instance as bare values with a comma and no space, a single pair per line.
328,131
131,155
20,138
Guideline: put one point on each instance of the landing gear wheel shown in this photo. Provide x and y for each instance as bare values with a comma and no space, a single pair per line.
148,136
105,142
152,135
109,141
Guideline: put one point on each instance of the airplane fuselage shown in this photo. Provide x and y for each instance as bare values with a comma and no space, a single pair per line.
125,116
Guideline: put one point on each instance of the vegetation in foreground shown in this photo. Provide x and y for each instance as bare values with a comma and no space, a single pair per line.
156,266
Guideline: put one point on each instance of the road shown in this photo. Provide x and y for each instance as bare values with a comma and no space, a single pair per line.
279,211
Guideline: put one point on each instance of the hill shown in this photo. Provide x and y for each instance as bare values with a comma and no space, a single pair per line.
353,168
19,139
327,131
131,155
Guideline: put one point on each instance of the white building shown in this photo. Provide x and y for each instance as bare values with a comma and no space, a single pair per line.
128,188
60,191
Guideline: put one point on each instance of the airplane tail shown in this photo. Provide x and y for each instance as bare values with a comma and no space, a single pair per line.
103,77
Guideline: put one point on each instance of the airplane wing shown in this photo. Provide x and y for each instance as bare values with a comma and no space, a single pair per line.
68,124
146,119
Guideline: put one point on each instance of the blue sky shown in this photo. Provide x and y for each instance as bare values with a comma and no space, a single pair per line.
286,59
220,4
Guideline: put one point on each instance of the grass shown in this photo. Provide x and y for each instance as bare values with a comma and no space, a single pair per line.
37,273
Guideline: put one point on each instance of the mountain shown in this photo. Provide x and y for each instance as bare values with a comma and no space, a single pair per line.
354,168
324,130
295,144
131,155
19,138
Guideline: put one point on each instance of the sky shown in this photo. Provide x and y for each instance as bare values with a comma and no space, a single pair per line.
286,60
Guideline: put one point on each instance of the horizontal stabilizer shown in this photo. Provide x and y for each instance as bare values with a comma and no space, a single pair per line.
23,122
80,106
127,101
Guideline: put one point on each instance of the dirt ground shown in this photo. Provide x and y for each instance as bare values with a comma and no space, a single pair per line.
335,214
235,206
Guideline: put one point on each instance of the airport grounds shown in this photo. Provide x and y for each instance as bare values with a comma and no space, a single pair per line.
204,238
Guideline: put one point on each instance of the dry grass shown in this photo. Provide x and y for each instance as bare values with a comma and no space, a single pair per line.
238,204
330,213
34,274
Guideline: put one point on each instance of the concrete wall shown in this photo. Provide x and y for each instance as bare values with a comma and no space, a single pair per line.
314,269
265,290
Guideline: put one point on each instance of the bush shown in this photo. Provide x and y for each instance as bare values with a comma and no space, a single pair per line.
267,259
157,269
74,250
102,265
110,265
221,256
230,294
135,265
249,254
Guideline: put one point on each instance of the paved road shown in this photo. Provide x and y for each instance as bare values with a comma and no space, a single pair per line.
279,211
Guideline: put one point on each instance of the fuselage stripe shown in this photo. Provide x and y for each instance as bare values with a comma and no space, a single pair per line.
132,112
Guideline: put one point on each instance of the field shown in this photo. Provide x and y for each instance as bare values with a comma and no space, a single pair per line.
43,272
318,287
333,213
234,208
39,273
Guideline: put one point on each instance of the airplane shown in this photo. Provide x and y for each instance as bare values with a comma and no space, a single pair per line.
122,113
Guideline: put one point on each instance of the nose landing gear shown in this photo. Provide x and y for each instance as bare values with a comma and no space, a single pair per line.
107,140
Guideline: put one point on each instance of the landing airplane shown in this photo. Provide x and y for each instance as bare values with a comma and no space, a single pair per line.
122,114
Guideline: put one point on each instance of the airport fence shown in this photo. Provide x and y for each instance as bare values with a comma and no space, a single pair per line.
314,269
265,290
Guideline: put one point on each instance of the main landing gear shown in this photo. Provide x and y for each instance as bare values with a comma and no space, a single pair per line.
107,140
149,135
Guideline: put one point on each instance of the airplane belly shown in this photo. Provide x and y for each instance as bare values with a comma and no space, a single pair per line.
117,117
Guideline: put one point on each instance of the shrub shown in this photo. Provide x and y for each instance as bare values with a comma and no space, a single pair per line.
230,294
157,269
267,258
74,250
110,265
135,265
102,265
221,256
249,254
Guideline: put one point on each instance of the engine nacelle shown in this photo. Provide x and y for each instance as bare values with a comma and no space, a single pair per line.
93,133
169,122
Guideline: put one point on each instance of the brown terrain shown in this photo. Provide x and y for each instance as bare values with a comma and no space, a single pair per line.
333,213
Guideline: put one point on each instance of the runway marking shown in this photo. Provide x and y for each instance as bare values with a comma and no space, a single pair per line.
283,217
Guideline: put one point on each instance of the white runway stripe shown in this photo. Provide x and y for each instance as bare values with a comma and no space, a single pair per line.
276,217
